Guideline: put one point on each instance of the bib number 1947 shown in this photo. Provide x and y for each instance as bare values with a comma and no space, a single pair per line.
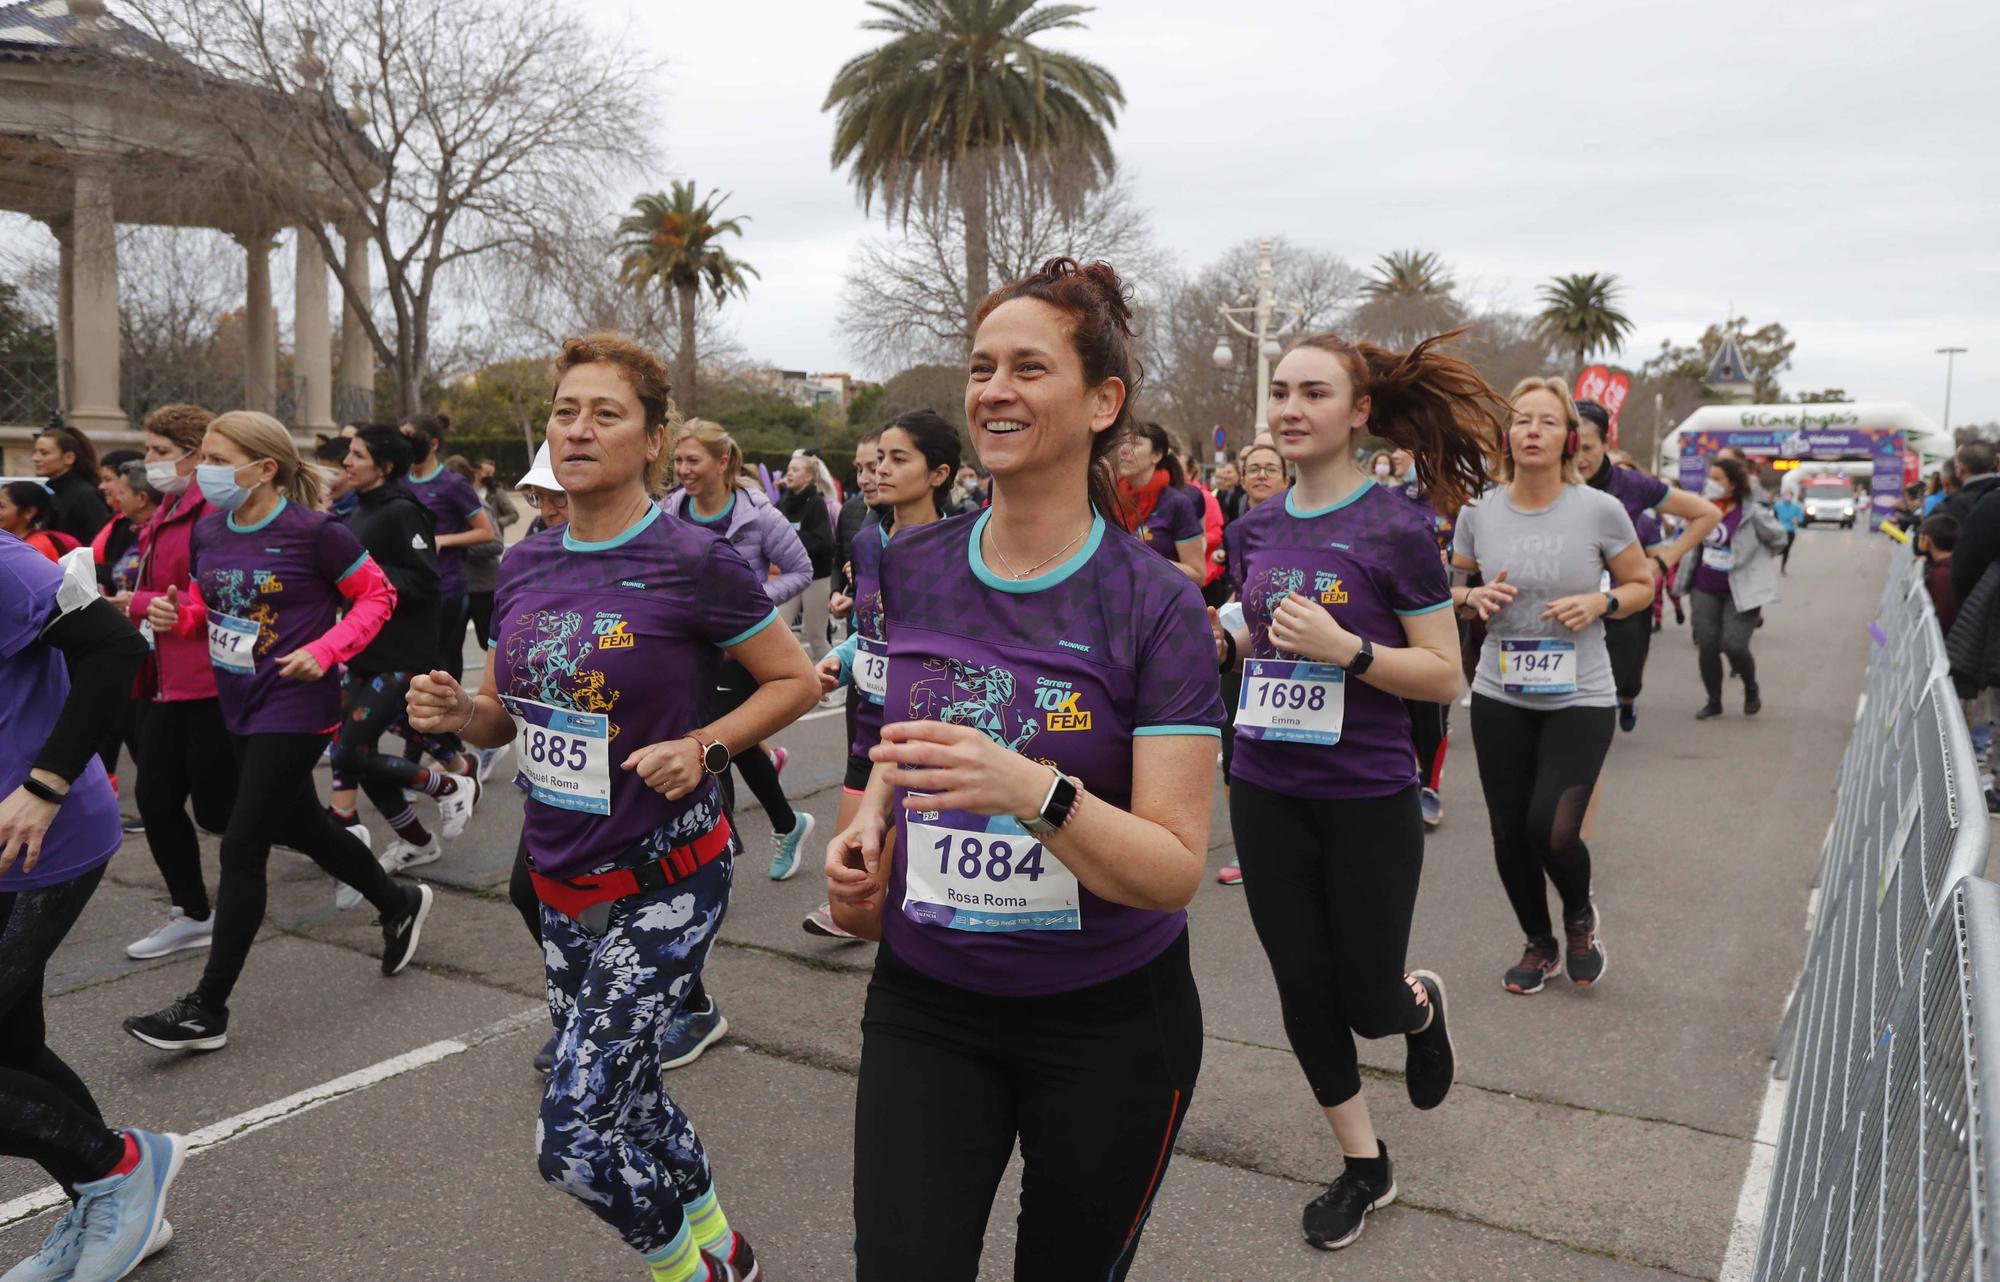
1538,667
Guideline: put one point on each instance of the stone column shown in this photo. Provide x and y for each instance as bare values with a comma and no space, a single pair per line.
260,326
312,339
65,311
93,324
356,378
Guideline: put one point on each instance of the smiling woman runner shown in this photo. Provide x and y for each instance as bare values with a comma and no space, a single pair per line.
1051,690
1155,501
1543,695
607,634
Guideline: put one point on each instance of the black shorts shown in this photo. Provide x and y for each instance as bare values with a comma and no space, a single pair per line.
858,770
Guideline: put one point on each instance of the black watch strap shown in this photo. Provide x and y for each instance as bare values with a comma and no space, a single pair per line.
1362,658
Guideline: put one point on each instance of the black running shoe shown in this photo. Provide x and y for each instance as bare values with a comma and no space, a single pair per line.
1709,710
1628,717
1336,1217
1540,961
1431,1065
186,1025
545,1058
1587,958
1753,700
401,932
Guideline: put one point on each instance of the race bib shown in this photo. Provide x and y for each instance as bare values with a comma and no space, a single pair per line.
1291,701
1719,558
970,872
564,756
1538,667
871,668
232,643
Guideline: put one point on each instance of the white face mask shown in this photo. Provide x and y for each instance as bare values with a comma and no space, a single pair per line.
1382,469
1713,491
163,475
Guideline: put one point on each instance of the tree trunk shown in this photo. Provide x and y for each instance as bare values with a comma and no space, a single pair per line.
684,393
974,196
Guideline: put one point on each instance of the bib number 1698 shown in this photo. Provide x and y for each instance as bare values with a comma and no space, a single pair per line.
1295,696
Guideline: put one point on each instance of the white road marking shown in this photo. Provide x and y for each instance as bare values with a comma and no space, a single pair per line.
230,1128
1739,1258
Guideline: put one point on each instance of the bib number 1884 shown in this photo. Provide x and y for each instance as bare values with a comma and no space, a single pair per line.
992,857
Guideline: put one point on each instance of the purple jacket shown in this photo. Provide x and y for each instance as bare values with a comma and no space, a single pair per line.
761,533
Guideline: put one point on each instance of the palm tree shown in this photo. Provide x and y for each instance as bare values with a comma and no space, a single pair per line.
1580,314
1408,275
1409,297
961,95
673,241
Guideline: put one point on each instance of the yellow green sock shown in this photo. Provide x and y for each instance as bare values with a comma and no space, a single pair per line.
678,1261
709,1225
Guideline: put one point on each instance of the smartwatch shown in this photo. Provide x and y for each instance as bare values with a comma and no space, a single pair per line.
714,757
1611,604
1365,656
1057,807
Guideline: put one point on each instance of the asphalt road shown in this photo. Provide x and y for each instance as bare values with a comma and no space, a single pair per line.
373,1129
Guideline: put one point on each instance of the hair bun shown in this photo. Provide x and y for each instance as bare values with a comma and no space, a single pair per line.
1103,278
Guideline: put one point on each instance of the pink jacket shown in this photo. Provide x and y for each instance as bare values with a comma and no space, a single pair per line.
179,669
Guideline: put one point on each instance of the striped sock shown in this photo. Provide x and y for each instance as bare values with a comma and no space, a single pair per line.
711,1227
434,783
678,1261
410,828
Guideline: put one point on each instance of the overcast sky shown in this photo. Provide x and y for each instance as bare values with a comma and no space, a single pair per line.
1834,167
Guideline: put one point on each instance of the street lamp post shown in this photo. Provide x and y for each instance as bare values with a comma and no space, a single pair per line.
1268,321
1948,353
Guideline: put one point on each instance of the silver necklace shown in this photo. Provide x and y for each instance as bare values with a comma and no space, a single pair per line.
1018,575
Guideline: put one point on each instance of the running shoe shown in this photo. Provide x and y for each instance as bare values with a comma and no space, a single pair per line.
455,807
401,932
1431,1064
131,823
1433,807
1709,711
1584,945
545,1058
1628,717
122,1213
61,1249
403,855
1753,699
1336,1217
691,1033
179,931
488,758
786,861
344,895
740,1266
778,759
820,922
1539,962
1230,874
186,1025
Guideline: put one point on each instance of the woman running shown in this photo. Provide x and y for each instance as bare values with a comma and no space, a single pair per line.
1264,478
462,523
802,502
1345,616
1629,638
1732,581
1154,500
1543,697
607,637
917,455
270,576
67,660
1051,688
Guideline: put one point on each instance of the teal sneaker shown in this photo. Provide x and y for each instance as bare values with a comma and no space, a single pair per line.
122,1214
691,1033
786,861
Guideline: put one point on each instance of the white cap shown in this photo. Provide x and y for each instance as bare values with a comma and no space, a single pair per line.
541,476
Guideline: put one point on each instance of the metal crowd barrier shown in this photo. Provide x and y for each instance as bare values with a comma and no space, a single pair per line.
1891,1040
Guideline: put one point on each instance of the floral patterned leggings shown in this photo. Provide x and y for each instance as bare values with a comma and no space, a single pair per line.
608,1134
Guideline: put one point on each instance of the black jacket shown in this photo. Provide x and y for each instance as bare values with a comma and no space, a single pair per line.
401,534
1977,509
854,515
77,509
806,510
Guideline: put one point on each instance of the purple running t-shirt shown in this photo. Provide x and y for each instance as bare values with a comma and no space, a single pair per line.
1066,668
1641,495
1370,561
864,559
454,503
270,588
599,649
1175,518
34,682
1717,554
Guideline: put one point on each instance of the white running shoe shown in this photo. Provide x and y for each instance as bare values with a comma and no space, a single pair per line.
402,855
455,807
179,931
488,758
344,895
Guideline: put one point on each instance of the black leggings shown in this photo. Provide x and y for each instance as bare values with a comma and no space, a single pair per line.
46,1112
1095,1084
479,609
1332,887
733,687
124,733
451,635
1629,640
1538,767
184,754
277,802
1430,735
372,703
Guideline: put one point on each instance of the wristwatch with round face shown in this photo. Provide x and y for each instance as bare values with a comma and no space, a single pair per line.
714,757
1610,604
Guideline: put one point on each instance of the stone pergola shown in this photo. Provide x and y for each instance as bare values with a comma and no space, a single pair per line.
91,136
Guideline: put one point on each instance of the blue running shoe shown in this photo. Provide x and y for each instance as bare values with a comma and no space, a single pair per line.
1628,717
786,861
691,1033
1433,807
122,1214
61,1249
545,1058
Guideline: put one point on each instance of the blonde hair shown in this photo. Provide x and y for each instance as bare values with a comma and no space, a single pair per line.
1559,389
822,479
715,439
263,437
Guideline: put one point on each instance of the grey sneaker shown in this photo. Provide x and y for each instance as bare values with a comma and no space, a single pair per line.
179,931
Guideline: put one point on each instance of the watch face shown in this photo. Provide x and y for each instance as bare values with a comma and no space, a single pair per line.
715,758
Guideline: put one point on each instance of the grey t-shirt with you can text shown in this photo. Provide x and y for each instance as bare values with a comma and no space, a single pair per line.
1561,550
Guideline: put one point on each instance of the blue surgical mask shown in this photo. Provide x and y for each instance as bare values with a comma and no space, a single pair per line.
218,485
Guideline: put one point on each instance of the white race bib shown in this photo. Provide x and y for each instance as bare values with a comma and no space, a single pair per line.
871,668
1291,701
232,643
1538,667
1718,558
565,756
969,872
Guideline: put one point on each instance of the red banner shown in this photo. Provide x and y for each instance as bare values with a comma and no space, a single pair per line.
1609,388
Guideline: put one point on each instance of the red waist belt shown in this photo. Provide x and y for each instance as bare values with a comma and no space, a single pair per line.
571,898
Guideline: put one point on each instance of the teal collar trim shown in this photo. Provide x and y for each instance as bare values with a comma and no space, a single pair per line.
436,472
1039,582
283,503
718,518
1292,501
620,539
